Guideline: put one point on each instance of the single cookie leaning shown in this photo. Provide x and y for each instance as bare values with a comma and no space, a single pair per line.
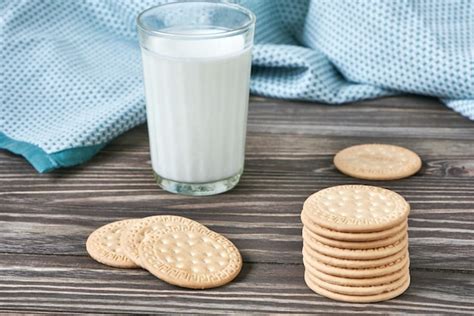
377,162
190,256
104,245
136,232
356,208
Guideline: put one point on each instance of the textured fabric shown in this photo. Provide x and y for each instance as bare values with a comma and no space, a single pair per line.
72,81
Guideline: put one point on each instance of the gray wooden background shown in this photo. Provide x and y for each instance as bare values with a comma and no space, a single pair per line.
45,219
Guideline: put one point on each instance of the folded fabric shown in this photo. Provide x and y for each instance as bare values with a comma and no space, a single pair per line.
72,80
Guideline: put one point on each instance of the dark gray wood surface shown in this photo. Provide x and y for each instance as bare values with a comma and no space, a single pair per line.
45,219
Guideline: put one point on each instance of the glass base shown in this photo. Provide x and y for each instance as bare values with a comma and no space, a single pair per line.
198,189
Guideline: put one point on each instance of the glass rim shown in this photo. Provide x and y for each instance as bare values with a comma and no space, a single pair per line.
226,33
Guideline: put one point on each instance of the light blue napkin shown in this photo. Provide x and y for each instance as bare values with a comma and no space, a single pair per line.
71,75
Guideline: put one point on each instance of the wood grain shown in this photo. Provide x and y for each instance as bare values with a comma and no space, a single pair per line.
53,283
45,219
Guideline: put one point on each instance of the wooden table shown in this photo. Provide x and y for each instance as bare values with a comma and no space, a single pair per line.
45,219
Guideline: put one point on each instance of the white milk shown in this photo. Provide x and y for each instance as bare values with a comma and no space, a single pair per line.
197,98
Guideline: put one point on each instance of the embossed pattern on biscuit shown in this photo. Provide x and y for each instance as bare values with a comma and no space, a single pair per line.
134,234
356,298
356,282
358,273
362,290
344,236
358,244
377,162
358,254
356,208
352,263
190,256
104,245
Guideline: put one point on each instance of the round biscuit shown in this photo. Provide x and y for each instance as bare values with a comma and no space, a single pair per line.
377,162
361,290
359,298
355,254
104,245
356,282
136,232
359,273
356,208
190,256
328,233
356,244
354,264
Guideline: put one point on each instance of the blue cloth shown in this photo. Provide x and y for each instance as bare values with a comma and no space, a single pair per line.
72,81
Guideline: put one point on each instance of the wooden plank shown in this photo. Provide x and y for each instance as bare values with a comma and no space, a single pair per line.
261,215
409,117
269,242
289,156
33,311
78,284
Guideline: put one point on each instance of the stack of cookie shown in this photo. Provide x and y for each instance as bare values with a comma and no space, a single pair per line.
356,243
175,249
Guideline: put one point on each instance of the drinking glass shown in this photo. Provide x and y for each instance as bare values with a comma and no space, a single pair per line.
196,62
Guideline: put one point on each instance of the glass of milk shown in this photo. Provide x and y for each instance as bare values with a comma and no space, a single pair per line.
196,62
